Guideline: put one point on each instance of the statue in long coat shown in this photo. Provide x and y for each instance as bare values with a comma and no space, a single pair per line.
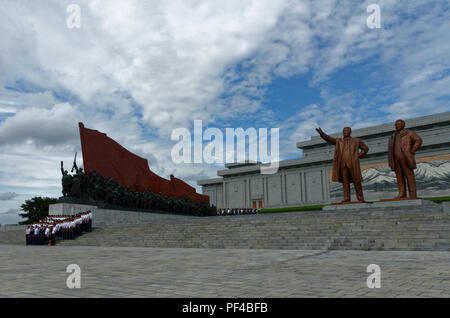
403,145
346,167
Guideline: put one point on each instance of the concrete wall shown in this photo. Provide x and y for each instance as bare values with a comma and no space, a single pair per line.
236,193
12,227
215,193
69,208
104,217
107,217
446,206
288,187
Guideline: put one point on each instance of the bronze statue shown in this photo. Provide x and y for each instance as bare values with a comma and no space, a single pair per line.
74,166
346,168
66,182
403,144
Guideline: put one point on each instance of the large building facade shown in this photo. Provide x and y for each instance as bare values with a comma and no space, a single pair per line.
307,180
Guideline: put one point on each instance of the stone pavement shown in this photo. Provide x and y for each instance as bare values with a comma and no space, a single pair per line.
40,271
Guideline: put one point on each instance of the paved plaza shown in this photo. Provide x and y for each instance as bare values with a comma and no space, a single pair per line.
40,271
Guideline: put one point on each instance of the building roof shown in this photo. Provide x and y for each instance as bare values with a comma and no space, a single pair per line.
210,181
381,129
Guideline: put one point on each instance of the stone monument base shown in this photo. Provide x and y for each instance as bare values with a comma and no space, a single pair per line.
113,217
69,208
351,202
381,204
446,206
399,199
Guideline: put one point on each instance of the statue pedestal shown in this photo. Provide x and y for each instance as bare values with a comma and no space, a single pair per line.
352,202
381,204
446,206
69,208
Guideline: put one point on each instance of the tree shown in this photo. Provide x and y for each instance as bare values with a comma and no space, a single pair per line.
36,209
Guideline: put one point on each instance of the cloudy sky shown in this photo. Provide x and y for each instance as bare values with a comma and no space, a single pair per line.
138,69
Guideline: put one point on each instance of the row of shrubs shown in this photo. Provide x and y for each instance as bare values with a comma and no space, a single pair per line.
319,207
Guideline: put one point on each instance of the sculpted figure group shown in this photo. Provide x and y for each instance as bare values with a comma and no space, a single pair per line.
96,187
403,145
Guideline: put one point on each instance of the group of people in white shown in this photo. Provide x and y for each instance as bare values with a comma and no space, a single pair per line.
58,227
236,211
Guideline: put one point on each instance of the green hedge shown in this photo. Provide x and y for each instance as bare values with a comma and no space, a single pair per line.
439,199
294,209
320,206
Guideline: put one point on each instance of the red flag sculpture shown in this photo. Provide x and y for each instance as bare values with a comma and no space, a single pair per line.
111,160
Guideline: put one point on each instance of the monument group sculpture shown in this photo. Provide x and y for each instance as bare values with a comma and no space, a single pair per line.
79,188
403,144
120,179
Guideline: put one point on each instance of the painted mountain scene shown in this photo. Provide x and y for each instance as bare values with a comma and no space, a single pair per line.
432,179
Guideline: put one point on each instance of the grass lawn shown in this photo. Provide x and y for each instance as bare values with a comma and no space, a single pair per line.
294,209
320,206
438,199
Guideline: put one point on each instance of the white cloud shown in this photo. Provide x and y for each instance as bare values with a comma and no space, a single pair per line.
11,216
8,196
41,125
141,68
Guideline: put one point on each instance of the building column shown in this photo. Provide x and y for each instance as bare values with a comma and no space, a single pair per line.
249,199
303,179
224,195
266,191
324,184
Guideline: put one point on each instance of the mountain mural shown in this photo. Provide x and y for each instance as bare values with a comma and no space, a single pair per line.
432,179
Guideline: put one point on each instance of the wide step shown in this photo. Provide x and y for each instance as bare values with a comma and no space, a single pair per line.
372,230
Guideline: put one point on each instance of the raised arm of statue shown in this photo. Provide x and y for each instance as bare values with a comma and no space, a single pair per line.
75,164
62,168
325,137
364,149
75,167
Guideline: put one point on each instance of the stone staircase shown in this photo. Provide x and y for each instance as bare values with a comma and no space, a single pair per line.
419,228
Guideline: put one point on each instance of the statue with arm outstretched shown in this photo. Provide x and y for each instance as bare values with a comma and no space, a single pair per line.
346,166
